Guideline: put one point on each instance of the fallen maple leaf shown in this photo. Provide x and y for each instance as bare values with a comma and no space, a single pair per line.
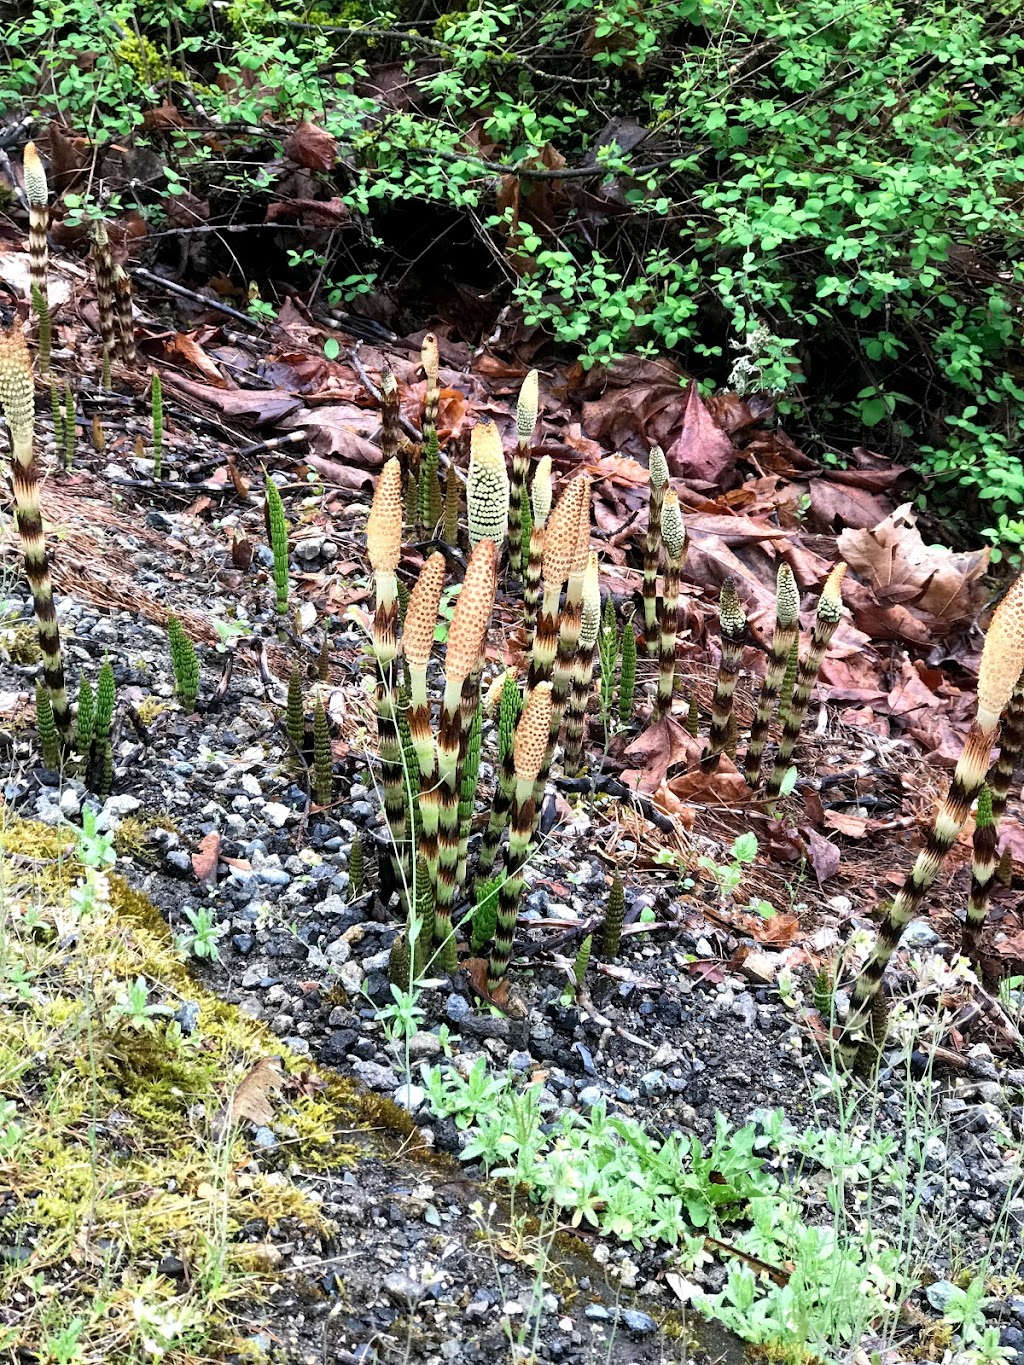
251,1099
822,854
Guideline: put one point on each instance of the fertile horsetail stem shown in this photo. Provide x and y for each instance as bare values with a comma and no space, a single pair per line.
1002,662
732,624
560,536
582,668
510,709
38,195
1000,779
531,743
417,642
103,276
784,637
467,635
123,314
17,399
826,622
627,670
384,548
657,467
487,487
526,420
673,536
540,502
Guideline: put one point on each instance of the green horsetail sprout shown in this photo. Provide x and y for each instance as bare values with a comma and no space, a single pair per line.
732,624
824,986
627,671
789,680
400,962
658,475
403,602
384,549
614,918
467,636
103,275
123,315
355,868
1000,779
156,398
57,416
487,487
42,311
48,743
569,623
410,771
412,500
323,662
673,535
826,621
526,420
17,399
277,531
295,716
692,717
608,649
183,662
420,929
101,768
428,482
582,961
785,640
452,507
510,709
69,425
1002,663
531,744
323,776
467,790
540,503
525,529
417,642
582,676
485,914
983,867
38,195
86,717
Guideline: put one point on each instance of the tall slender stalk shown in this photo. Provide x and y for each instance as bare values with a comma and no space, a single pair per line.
784,636
417,642
103,276
540,502
384,548
508,717
17,398
530,747
38,195
673,535
560,537
657,467
1000,779
583,669
826,622
526,420
732,624
1002,663
125,339
467,634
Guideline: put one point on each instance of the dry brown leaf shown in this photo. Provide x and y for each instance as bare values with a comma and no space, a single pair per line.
263,407
652,753
339,433
822,854
312,147
253,1093
852,826
204,860
702,453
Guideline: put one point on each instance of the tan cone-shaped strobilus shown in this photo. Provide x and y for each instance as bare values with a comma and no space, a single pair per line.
826,622
526,420
17,400
1002,663
787,628
530,747
487,487
467,635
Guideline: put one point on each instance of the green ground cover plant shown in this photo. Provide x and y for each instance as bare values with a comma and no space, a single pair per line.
818,201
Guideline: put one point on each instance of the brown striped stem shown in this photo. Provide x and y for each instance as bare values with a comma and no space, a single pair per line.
826,622
526,420
673,535
125,338
417,640
784,636
540,502
582,679
658,475
732,623
18,402
103,276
